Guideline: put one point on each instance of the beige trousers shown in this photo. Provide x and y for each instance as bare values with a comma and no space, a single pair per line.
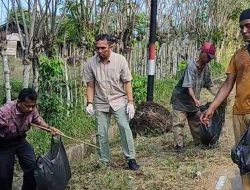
240,124
179,119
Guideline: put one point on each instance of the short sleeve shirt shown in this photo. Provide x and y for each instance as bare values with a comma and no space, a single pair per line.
14,124
192,78
240,66
109,81
196,79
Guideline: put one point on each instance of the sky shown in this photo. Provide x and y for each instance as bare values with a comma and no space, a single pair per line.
3,13
4,4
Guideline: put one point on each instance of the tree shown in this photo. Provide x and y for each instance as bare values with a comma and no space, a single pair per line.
40,24
6,70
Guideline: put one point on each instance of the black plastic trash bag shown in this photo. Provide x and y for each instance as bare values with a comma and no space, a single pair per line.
240,153
52,170
209,135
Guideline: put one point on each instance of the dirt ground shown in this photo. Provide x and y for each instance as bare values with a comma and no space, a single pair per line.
198,168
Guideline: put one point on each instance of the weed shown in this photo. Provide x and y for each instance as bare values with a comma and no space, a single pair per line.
139,89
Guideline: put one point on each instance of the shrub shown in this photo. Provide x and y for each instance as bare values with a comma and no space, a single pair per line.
139,86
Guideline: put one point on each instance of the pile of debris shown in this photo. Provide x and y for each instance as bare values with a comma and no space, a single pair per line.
151,119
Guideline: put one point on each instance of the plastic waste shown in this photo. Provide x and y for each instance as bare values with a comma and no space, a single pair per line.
53,170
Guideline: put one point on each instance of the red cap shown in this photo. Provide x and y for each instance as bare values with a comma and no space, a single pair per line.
209,49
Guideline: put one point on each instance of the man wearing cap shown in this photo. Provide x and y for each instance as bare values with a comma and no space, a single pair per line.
186,95
238,73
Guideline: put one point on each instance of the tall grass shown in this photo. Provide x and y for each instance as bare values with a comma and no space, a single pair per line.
163,90
77,125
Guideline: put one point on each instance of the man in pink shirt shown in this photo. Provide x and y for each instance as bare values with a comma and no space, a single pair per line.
15,120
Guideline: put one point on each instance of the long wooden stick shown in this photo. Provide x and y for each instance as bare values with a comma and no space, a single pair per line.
63,135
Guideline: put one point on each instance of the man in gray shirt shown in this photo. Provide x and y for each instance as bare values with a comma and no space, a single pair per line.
186,95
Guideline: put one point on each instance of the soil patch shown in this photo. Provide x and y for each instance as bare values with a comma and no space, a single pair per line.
151,119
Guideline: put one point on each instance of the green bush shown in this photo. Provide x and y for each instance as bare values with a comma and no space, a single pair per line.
52,109
16,86
51,106
139,85
181,68
162,89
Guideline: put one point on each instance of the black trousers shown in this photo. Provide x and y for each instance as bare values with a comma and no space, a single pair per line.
26,157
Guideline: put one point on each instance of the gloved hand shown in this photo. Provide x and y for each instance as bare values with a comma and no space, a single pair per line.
90,109
130,110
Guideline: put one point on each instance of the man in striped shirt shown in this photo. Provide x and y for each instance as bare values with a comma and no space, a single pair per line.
15,120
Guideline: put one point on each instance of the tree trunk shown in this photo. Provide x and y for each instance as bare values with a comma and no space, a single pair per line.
26,72
75,77
67,82
174,59
6,71
35,64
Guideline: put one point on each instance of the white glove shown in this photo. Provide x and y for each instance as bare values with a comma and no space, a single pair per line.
90,109
130,110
